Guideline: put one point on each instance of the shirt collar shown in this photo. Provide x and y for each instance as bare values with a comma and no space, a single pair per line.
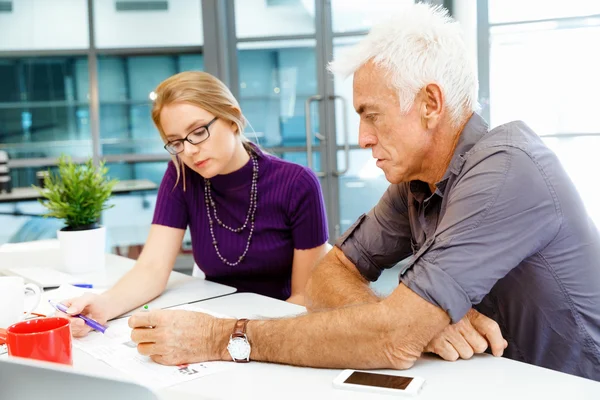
473,131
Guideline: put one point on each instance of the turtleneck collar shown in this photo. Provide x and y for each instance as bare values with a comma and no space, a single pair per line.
242,177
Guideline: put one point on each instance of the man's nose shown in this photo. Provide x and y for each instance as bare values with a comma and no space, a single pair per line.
366,138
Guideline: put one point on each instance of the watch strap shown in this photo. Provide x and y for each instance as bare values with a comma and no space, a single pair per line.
239,330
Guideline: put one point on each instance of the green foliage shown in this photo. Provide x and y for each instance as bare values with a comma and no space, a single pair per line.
78,193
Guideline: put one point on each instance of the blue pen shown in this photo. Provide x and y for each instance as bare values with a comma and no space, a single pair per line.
90,322
83,285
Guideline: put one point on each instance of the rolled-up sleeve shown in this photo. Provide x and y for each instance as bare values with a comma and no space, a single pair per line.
380,238
501,210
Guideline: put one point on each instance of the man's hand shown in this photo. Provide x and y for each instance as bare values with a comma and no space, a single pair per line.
471,335
179,337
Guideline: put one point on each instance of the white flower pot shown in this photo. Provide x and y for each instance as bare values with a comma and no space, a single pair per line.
83,251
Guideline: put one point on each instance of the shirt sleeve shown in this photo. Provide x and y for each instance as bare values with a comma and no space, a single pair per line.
307,211
171,207
501,210
381,238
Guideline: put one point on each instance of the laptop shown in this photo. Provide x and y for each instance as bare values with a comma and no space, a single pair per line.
24,379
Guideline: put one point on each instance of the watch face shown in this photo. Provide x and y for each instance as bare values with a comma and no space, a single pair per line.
239,348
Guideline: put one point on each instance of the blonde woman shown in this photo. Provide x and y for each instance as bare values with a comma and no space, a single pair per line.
257,222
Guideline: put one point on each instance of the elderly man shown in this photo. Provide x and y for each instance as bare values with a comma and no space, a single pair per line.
490,217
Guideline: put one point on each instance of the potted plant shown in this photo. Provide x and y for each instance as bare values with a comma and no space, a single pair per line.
77,195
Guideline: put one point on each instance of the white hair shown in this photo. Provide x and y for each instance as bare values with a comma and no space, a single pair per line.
419,45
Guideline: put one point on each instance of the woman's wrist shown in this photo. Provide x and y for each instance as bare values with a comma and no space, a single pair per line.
106,299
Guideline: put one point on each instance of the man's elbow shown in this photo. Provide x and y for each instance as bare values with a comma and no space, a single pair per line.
316,281
398,354
399,350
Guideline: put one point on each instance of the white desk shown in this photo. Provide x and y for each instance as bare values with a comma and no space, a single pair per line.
483,377
181,288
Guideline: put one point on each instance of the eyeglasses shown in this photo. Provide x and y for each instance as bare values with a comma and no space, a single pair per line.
196,137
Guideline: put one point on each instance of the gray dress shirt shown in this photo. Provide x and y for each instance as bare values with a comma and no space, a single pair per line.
506,233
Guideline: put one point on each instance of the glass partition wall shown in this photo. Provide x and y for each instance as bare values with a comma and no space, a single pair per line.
76,78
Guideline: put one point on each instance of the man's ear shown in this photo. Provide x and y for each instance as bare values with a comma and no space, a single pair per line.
432,105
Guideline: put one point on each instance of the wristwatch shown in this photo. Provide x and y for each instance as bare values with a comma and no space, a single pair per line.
239,346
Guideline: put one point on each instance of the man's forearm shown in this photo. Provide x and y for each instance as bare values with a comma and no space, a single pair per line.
333,284
350,337
363,336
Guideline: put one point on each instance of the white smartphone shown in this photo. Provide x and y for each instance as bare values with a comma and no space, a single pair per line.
377,382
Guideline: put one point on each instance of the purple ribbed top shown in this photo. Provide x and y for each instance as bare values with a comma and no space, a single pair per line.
290,215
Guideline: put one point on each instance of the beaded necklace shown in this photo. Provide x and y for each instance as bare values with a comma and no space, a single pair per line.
249,216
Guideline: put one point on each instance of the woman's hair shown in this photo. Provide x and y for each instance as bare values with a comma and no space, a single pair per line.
420,45
202,90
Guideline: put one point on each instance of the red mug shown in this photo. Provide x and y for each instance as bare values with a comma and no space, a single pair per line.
46,339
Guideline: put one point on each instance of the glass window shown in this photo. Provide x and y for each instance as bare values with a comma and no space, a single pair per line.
544,74
44,107
125,84
553,91
360,187
360,15
260,18
24,221
153,170
299,157
579,157
25,177
43,24
128,222
276,79
501,11
343,88
363,184
178,24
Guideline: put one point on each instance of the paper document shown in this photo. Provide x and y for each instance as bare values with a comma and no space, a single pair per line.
43,277
50,278
117,350
64,292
